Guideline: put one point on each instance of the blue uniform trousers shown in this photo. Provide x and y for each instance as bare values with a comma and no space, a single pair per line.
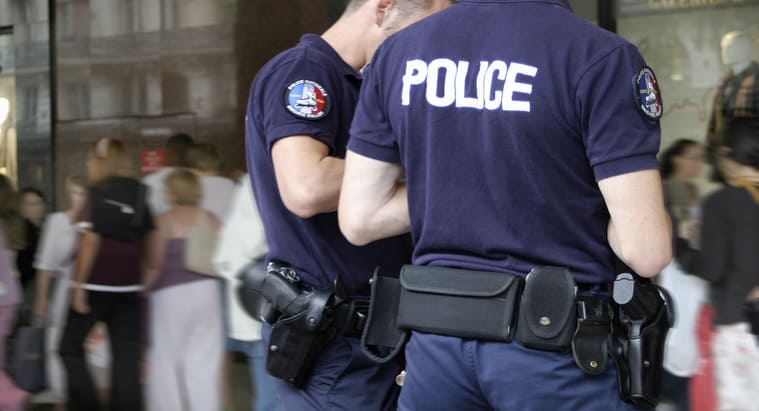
454,374
344,379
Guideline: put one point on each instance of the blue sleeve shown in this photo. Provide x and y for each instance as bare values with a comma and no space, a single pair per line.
371,134
618,136
279,121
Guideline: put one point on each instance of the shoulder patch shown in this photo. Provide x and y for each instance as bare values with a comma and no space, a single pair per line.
307,99
647,94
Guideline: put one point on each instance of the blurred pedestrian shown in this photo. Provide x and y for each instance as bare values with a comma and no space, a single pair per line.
186,343
33,211
681,164
241,241
217,190
11,239
176,157
106,284
729,261
54,259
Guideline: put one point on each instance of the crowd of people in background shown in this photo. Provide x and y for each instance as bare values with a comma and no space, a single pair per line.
116,256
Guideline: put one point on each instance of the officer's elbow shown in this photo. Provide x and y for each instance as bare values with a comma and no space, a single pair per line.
650,262
301,201
353,227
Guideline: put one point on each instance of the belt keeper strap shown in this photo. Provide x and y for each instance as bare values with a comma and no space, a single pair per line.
382,340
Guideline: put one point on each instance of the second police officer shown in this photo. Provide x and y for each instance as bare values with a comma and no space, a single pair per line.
300,109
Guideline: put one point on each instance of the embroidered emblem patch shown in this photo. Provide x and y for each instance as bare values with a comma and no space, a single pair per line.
307,99
647,94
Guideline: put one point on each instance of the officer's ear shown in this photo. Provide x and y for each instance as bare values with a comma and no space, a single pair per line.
383,8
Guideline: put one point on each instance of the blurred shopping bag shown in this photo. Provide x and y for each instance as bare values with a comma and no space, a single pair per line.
681,353
28,366
703,395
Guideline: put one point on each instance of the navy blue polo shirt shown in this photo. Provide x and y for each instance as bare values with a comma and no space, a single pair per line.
504,130
309,90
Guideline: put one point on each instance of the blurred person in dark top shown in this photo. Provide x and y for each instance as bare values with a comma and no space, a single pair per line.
725,254
107,281
11,239
32,203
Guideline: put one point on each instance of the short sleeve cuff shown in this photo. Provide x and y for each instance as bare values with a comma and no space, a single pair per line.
300,129
625,165
375,151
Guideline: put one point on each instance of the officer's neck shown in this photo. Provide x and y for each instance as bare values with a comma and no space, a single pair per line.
351,37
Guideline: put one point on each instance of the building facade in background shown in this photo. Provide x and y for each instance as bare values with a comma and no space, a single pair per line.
142,70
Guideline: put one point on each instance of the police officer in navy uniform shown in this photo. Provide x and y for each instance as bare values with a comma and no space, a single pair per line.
299,112
528,139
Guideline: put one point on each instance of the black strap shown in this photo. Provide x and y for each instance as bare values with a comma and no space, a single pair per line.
382,340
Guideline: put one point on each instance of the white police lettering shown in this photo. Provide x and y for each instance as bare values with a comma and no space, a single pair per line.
416,73
449,85
462,100
489,95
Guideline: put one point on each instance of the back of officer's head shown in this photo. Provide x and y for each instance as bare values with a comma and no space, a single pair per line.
402,13
742,141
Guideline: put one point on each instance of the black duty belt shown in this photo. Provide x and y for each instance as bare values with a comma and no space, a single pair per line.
546,310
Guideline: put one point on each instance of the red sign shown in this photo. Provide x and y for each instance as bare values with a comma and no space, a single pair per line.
152,160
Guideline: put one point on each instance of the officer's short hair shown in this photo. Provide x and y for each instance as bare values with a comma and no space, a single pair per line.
742,141
184,187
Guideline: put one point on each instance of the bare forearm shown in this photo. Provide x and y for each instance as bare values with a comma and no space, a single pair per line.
640,231
390,219
308,178
86,253
323,185
374,201
42,291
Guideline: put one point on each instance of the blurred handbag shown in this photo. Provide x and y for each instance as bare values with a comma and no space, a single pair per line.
200,245
28,366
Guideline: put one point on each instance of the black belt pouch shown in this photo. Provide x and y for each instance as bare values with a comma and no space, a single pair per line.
547,315
459,303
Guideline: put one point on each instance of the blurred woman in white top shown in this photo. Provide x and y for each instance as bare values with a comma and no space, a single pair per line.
53,262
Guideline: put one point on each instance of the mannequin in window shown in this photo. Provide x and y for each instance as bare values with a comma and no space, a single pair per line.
738,91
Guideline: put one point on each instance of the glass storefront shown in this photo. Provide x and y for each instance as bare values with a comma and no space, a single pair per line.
704,54
25,112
